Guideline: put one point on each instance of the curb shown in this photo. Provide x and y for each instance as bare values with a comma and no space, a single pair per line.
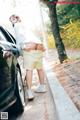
65,108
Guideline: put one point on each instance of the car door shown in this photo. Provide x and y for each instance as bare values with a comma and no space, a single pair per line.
7,68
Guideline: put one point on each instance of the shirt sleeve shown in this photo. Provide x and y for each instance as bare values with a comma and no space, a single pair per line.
19,35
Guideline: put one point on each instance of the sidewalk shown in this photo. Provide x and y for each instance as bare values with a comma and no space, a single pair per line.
64,81
69,77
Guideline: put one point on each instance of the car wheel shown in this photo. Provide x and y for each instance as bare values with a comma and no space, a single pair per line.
20,103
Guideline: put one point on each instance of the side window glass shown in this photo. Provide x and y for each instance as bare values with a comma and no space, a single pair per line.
5,35
2,37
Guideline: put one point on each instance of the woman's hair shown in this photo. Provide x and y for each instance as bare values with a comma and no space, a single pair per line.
16,17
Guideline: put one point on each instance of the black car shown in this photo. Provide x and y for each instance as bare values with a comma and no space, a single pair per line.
11,83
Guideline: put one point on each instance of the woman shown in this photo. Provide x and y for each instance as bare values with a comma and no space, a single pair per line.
32,49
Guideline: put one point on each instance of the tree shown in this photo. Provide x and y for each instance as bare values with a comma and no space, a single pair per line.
55,29
68,12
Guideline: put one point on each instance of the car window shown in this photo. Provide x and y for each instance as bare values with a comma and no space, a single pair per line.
2,38
8,37
12,39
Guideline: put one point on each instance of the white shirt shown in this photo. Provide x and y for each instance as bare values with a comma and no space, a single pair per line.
24,35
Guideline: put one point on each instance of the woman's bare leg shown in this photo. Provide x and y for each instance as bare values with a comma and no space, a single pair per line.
41,75
29,84
41,88
29,78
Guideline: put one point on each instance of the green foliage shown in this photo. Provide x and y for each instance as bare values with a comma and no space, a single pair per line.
67,12
69,22
70,34
51,43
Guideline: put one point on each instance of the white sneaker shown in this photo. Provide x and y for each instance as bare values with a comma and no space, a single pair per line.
41,89
30,94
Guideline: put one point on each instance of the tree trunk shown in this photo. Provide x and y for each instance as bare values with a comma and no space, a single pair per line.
55,29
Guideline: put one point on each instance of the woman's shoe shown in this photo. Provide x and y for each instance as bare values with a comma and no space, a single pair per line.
41,89
30,94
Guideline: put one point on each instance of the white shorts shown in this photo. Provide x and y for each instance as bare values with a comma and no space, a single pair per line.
32,59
